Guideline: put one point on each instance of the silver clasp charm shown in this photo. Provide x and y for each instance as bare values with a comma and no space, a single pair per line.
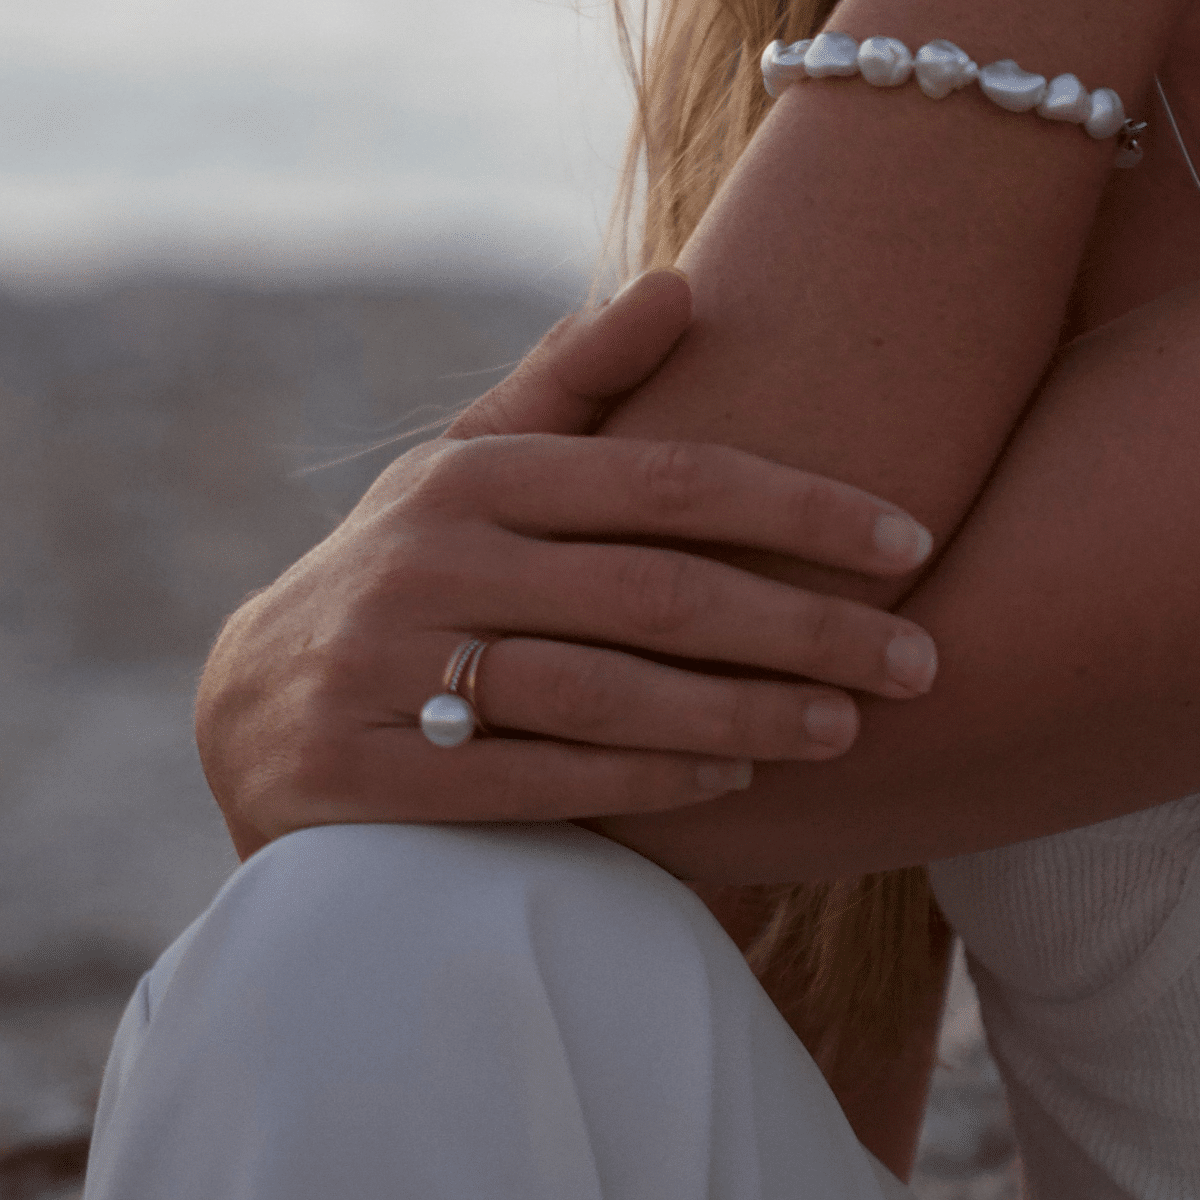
1129,152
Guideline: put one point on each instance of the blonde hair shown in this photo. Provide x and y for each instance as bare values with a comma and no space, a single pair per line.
848,962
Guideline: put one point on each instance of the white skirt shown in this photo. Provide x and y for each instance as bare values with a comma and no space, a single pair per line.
517,1012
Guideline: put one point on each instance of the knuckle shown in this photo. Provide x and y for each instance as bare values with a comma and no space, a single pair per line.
641,783
331,675
658,592
730,725
669,478
816,509
820,627
422,568
579,698
396,478
749,722
451,476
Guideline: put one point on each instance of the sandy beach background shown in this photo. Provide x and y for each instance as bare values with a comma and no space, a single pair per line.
237,241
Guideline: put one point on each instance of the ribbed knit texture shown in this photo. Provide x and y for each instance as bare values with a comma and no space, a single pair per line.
1085,950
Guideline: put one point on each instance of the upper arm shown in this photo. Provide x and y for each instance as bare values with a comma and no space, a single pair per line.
879,284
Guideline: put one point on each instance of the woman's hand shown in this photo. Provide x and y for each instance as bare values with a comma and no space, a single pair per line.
509,528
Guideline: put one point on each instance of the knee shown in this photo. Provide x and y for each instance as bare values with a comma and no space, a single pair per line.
353,903
470,884
314,898
367,911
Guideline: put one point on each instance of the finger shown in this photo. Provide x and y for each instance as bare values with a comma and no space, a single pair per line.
543,485
586,362
685,606
393,774
608,698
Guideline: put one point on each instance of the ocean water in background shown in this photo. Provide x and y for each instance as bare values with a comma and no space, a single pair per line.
239,240
283,140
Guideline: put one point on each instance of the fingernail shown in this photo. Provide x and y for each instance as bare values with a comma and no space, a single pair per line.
716,778
901,538
912,661
831,721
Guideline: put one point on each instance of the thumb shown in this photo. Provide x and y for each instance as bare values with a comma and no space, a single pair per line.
586,362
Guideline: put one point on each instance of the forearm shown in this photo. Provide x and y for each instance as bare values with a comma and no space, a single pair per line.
880,283
1065,611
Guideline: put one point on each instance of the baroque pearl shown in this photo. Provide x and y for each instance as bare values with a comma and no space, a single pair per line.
1066,100
885,61
782,65
1107,114
941,68
447,720
831,54
1005,84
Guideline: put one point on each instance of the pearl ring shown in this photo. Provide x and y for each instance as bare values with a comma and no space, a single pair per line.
451,718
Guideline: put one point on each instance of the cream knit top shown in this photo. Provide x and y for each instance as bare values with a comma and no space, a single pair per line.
1085,950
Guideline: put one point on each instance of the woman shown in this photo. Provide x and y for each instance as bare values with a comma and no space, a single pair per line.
1062,700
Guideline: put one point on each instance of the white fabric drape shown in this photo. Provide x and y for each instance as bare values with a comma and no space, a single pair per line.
1085,950
520,1012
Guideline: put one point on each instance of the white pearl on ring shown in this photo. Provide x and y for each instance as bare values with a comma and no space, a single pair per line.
1005,84
782,65
831,54
942,67
885,61
1066,100
1107,115
447,720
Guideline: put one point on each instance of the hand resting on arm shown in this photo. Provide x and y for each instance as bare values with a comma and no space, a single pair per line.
307,708
926,446
835,373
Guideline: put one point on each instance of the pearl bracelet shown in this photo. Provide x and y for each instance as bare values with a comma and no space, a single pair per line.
941,68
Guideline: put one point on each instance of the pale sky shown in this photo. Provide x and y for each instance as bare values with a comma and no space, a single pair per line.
264,138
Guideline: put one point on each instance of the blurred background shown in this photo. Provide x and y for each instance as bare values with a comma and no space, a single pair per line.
242,240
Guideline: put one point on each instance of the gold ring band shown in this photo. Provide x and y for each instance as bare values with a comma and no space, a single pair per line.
462,674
